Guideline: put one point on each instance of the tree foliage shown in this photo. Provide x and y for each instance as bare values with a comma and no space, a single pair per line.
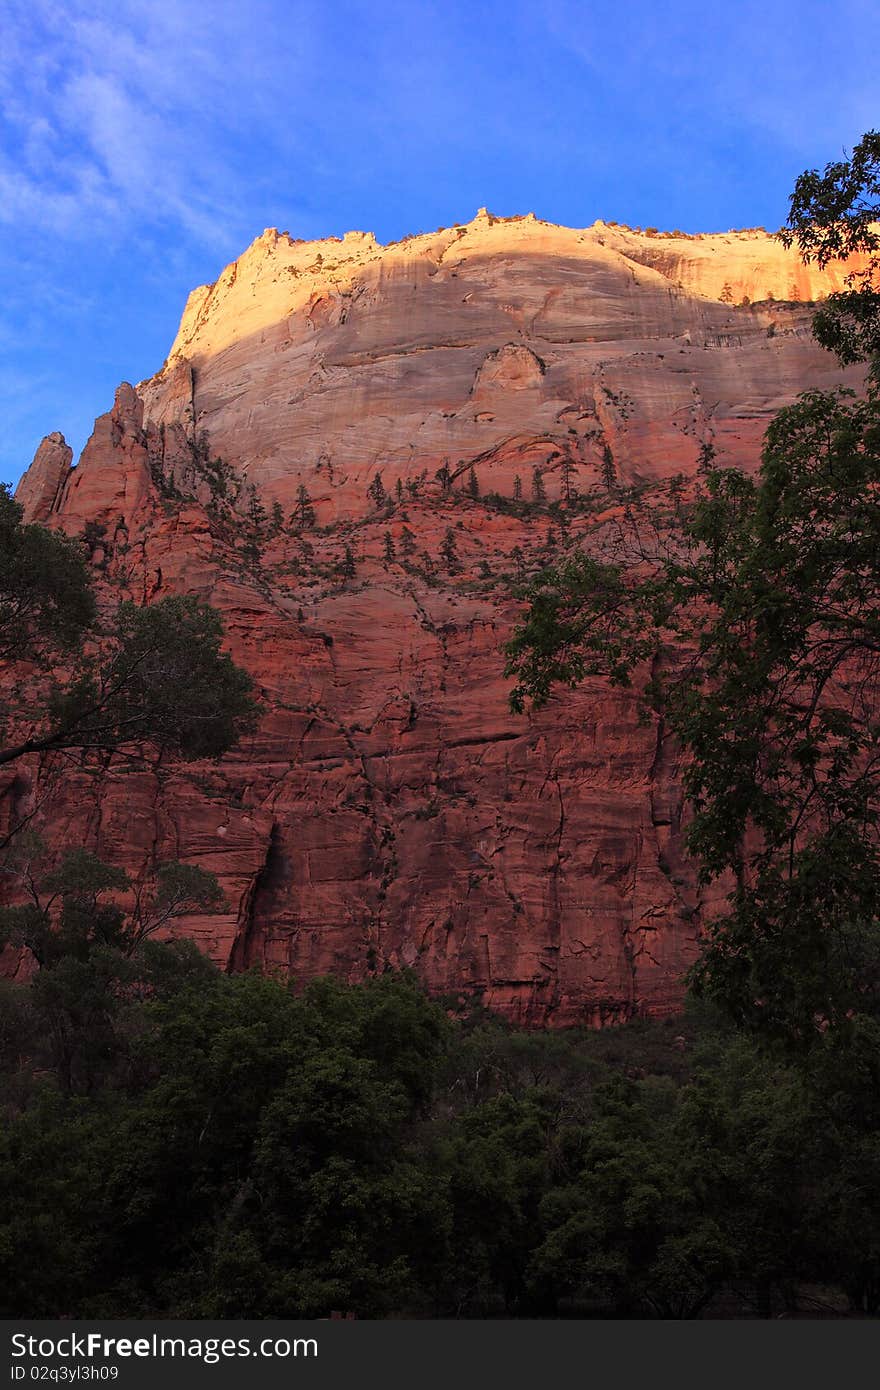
85,925
833,215
144,675
303,514
225,1147
46,598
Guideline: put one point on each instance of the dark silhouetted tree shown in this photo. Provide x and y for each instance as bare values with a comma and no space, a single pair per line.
609,470
153,675
376,491
303,514
833,215
449,551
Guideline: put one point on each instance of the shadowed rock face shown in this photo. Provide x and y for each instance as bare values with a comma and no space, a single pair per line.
391,811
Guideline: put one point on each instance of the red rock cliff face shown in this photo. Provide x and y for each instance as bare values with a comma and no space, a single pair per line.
391,810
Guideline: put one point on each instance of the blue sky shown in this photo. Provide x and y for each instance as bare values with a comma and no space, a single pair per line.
143,145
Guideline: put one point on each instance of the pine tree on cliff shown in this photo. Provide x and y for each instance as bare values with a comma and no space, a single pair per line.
141,676
303,514
676,487
449,551
706,458
539,491
256,512
407,543
277,518
398,491
609,470
517,488
473,486
568,470
444,478
256,526
388,549
376,491
347,566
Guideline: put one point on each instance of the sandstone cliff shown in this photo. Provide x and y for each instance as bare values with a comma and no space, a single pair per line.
391,810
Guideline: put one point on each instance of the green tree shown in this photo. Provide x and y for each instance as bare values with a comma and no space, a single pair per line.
706,458
539,491
609,469
257,521
376,491
347,567
473,485
629,1232
303,514
834,215
160,678
47,602
676,486
85,940
841,1223
449,551
568,472
498,1162
388,548
146,675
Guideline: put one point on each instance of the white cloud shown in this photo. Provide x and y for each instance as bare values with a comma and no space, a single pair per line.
122,116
